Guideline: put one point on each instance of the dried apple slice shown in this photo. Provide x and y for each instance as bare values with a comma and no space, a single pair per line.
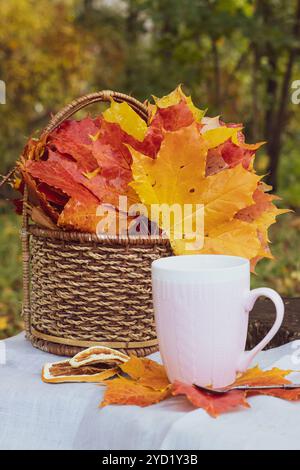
62,372
98,355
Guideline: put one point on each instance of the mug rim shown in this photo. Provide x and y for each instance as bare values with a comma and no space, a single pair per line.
169,263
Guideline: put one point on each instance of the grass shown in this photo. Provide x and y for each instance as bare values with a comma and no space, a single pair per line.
282,273
10,275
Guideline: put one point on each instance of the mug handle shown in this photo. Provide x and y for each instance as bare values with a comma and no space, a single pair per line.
252,296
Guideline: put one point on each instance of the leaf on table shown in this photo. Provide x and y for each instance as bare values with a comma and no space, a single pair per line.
218,404
124,391
146,384
146,372
275,376
214,405
256,376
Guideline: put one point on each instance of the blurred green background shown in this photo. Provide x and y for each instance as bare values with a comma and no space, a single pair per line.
237,58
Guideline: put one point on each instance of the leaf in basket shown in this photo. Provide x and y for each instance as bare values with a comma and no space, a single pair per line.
62,175
214,405
174,117
146,372
175,98
54,196
40,218
111,133
220,135
127,118
35,148
106,189
124,391
177,176
261,215
228,155
36,197
79,216
74,138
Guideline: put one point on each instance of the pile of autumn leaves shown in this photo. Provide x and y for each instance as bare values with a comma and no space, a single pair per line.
144,382
178,157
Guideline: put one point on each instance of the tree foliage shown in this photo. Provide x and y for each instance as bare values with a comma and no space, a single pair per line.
237,57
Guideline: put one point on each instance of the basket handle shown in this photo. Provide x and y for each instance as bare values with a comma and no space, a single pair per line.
86,100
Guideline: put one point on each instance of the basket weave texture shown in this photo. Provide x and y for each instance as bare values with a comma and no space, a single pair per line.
82,290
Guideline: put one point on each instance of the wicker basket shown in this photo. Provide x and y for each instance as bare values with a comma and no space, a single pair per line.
81,290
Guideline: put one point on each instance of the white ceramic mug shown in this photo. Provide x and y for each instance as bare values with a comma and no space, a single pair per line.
202,305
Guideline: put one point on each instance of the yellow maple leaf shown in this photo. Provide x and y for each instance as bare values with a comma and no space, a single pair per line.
260,216
235,238
127,118
146,372
174,98
219,135
177,176
122,391
147,383
255,375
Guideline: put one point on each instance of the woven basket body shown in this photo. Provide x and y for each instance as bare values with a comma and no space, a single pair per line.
81,290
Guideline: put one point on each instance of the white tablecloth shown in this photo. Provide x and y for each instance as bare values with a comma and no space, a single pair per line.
35,415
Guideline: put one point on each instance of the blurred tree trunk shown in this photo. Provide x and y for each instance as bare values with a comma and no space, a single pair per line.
255,97
131,32
217,73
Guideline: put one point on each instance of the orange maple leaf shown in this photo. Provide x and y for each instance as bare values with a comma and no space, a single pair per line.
146,372
214,405
146,384
124,391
